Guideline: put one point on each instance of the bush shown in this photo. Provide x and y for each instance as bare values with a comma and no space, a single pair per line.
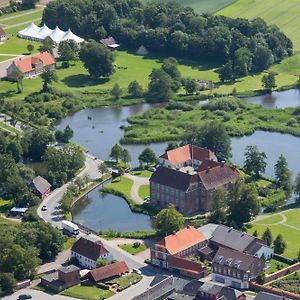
65,64
103,286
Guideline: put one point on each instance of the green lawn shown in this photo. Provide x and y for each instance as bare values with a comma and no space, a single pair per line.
87,292
142,173
275,266
3,58
126,281
20,19
290,235
14,45
144,191
124,186
5,205
69,243
131,249
17,13
283,13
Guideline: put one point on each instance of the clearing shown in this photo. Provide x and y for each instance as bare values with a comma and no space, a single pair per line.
87,292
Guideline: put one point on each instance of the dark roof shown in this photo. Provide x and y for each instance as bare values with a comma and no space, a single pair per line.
179,296
217,176
211,288
254,246
89,248
68,269
158,278
2,32
230,293
109,271
206,250
237,259
173,178
192,287
268,296
40,184
234,239
108,41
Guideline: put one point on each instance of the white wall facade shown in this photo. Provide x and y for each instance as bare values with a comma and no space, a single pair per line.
266,251
89,263
233,282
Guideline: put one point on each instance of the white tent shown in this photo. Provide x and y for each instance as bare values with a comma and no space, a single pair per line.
71,36
57,35
142,50
33,32
30,32
44,31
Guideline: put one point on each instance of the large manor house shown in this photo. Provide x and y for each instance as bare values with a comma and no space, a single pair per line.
187,177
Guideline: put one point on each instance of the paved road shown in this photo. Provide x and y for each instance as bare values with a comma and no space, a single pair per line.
137,183
36,295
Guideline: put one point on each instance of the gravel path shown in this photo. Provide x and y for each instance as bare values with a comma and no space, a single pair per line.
137,183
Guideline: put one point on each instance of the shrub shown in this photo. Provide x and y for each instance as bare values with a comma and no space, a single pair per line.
65,64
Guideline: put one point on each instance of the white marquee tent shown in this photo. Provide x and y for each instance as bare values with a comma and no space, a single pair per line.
35,33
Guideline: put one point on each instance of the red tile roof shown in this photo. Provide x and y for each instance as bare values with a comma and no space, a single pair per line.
181,240
89,248
217,176
185,264
187,152
104,273
26,64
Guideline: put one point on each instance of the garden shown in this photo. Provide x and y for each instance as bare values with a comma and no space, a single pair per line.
290,283
87,292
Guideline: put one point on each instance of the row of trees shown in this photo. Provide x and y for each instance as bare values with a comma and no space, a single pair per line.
243,46
279,244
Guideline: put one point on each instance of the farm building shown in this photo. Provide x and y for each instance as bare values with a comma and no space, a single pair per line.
40,187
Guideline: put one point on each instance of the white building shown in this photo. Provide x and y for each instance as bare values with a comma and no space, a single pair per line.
88,251
35,33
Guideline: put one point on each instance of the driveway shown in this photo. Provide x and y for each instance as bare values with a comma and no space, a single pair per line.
137,183
36,295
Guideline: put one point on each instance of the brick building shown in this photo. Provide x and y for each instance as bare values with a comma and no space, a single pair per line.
187,177
65,277
172,252
40,187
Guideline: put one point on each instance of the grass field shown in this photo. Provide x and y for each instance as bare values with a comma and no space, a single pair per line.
133,250
124,186
15,45
126,281
87,292
16,14
142,173
275,266
23,18
144,191
290,235
283,13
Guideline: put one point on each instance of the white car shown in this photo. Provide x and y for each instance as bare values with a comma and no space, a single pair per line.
137,271
44,207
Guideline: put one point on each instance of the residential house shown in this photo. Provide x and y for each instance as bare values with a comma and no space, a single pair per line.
32,65
87,251
108,272
110,43
40,187
228,237
215,291
235,268
187,177
3,35
173,251
65,277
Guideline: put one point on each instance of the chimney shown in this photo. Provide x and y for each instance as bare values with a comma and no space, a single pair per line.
222,163
208,169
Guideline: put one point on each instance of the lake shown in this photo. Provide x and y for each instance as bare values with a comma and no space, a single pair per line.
99,129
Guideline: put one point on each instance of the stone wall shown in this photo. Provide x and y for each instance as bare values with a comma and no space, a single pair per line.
283,272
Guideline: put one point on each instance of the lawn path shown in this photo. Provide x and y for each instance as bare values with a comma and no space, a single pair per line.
137,183
21,15
18,24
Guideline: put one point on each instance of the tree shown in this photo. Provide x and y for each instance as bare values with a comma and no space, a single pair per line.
283,175
48,77
67,53
243,203
279,244
116,91
97,59
213,136
219,206
190,85
267,236
29,3
297,188
125,157
17,77
121,172
170,66
169,220
47,45
102,168
255,161
255,233
7,283
101,262
171,146
30,48
116,152
226,72
147,157
242,63
261,278
135,90
160,86
269,81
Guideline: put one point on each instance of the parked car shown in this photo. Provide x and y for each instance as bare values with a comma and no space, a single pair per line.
137,271
44,207
152,169
25,296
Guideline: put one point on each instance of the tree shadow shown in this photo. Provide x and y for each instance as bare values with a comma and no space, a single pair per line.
82,80
7,94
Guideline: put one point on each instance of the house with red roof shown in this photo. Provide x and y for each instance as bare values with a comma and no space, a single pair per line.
32,65
87,251
172,252
187,177
3,35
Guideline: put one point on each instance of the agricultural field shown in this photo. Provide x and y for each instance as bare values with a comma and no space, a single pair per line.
285,222
283,13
